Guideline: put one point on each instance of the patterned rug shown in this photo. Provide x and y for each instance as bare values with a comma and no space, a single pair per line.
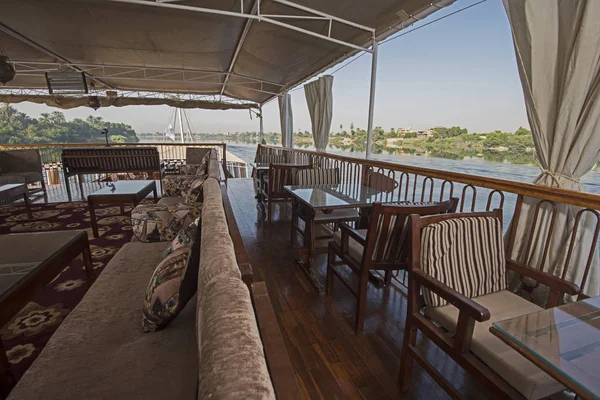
27,334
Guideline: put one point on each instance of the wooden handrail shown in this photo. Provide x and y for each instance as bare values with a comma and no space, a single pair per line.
50,145
570,197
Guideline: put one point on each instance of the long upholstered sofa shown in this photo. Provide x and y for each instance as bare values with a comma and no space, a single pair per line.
225,344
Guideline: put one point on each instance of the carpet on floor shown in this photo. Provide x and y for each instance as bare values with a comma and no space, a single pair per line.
27,334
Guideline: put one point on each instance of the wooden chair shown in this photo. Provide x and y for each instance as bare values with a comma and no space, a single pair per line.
458,271
382,246
271,186
319,176
264,159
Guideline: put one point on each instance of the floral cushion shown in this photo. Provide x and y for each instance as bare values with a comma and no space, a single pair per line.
193,169
189,187
185,237
174,281
162,222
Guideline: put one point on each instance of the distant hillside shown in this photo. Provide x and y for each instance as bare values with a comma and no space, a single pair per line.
19,128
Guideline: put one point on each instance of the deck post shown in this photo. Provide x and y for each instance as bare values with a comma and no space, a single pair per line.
260,116
372,97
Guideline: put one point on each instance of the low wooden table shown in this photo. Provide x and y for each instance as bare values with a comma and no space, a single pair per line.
28,262
120,193
562,341
14,191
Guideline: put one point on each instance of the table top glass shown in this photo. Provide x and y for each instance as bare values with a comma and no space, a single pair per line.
122,187
11,186
566,339
23,253
335,196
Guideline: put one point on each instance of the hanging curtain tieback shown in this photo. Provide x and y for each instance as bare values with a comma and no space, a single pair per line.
556,176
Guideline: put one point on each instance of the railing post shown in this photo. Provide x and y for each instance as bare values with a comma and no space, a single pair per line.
225,160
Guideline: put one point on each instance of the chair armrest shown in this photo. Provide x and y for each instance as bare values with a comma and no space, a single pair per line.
356,235
553,282
463,303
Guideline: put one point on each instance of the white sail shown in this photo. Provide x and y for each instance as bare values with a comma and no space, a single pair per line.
170,132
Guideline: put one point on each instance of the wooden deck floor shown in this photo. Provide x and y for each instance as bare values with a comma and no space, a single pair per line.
329,359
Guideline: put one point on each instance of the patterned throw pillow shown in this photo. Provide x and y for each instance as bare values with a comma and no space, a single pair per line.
466,254
193,169
174,281
188,187
162,222
185,237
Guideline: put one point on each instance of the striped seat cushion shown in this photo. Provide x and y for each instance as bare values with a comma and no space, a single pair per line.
466,254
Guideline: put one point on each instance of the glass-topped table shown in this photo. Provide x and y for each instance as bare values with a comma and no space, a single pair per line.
308,200
120,193
28,262
325,197
12,191
563,341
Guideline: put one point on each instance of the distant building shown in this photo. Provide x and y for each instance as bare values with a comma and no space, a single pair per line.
426,133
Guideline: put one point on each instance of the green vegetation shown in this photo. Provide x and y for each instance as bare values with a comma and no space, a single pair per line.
19,128
453,143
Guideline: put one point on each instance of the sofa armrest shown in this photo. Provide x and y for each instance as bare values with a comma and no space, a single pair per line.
280,367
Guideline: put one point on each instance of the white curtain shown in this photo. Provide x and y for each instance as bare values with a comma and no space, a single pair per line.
319,98
557,45
287,120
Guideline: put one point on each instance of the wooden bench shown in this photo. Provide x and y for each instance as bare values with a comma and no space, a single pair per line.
80,161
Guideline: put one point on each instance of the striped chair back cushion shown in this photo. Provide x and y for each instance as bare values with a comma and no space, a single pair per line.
318,176
466,254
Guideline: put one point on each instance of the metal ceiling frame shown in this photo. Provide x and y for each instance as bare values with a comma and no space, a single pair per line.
130,94
96,71
370,46
269,18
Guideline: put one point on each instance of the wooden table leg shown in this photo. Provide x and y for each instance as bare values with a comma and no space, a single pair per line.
7,379
155,194
93,218
87,263
80,186
27,205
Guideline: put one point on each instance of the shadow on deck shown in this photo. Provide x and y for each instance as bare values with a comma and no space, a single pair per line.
329,359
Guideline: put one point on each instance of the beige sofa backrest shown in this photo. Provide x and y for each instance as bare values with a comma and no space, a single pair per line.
231,355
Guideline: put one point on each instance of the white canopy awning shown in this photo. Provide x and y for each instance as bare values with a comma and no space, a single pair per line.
243,49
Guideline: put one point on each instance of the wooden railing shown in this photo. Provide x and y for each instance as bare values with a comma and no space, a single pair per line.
399,182
171,154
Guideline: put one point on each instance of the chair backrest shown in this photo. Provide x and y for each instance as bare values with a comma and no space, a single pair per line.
281,175
270,158
318,176
381,182
27,160
388,234
195,155
464,251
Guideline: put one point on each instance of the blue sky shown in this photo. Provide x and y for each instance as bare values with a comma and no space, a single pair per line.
457,71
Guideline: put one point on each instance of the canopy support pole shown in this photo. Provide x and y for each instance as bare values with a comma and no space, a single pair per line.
372,98
260,116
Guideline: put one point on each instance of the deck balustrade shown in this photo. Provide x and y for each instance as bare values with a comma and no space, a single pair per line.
476,193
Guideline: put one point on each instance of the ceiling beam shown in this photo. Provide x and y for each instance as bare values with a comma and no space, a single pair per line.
37,46
257,17
240,44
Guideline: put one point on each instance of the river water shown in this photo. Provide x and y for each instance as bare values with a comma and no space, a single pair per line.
472,166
